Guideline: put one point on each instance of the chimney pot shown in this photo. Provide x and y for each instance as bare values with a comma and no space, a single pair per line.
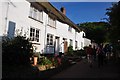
63,10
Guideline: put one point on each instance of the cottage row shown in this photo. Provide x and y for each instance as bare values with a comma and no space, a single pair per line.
49,29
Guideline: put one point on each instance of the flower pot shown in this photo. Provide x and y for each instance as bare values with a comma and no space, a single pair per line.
35,61
42,67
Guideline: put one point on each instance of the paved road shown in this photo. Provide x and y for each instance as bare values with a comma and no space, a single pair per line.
82,70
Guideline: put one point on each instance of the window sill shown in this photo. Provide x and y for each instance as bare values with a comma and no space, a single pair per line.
51,26
34,42
35,19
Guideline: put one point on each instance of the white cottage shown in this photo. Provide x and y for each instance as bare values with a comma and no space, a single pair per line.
49,29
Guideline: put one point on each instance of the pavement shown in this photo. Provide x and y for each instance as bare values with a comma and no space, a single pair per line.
82,70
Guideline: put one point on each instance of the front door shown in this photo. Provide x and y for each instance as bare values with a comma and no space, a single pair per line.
65,47
57,46
11,29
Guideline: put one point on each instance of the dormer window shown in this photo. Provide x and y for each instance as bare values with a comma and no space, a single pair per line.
36,14
70,28
51,22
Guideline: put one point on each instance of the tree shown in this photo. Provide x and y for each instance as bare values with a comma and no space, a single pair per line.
16,50
114,20
96,31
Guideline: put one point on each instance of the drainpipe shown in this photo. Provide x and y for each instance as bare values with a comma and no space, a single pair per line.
45,34
6,18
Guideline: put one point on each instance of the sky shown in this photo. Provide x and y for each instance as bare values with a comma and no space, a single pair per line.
80,12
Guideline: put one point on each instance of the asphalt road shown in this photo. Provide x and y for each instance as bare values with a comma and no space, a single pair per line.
83,70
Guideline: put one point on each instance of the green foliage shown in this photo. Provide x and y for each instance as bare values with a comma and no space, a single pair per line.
70,50
46,61
114,20
16,50
96,31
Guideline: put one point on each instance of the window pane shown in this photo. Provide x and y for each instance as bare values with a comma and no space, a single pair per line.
37,35
49,39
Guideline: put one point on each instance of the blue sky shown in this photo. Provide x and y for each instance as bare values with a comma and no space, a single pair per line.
80,12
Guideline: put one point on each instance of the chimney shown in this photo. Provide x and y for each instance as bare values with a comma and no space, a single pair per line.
63,10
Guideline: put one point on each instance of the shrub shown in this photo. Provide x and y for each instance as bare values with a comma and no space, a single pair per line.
16,50
70,50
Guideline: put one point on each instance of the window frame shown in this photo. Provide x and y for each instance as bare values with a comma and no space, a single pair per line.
51,22
36,14
50,39
36,36
70,29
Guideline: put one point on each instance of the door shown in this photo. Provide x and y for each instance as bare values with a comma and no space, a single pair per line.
57,47
11,29
65,47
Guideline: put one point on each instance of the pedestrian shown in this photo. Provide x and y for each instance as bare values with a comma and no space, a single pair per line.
94,53
89,52
100,55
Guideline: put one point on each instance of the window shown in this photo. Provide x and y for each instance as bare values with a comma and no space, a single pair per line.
37,35
76,43
49,39
34,34
71,42
70,28
51,22
36,14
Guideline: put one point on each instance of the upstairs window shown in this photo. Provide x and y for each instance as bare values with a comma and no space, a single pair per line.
34,34
51,22
70,28
49,39
36,14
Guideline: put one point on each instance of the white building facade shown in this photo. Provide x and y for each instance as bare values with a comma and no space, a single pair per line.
44,26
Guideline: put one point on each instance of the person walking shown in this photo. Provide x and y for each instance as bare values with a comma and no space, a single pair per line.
100,55
89,52
94,53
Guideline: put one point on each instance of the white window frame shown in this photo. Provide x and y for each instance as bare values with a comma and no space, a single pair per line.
36,14
70,29
51,22
50,39
35,35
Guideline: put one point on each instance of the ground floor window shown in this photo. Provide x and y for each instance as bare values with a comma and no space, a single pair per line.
49,39
34,34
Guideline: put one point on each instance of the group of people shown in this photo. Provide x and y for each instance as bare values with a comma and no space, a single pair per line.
100,53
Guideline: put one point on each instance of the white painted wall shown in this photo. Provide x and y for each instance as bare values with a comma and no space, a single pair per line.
19,13
87,42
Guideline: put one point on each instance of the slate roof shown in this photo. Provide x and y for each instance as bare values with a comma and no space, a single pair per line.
52,11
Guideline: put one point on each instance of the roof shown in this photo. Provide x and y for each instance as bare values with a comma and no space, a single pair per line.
58,14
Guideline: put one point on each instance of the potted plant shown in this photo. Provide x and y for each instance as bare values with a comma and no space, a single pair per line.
47,62
35,58
42,67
